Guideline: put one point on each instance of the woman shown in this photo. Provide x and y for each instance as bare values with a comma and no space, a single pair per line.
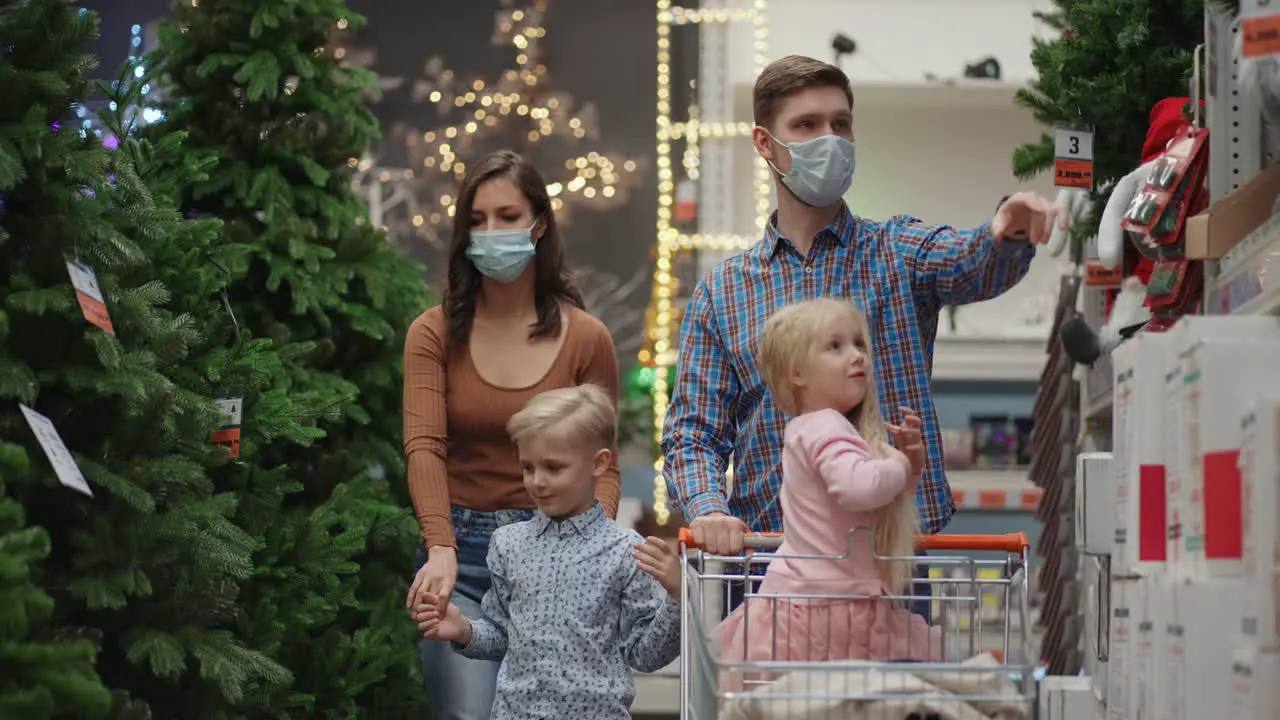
511,325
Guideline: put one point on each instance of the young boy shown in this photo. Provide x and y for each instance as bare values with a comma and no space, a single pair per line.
576,600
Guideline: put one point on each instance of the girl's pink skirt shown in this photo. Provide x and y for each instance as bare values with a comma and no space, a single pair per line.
800,630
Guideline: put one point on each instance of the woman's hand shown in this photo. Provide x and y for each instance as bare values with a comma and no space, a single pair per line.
436,578
447,624
655,557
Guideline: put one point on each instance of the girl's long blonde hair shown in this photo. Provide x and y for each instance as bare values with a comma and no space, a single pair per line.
788,338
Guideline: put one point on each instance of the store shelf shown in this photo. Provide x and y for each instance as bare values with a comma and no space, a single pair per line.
949,94
988,358
994,489
1248,278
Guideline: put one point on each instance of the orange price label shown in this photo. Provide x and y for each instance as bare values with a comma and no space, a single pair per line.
228,438
1260,35
89,295
1098,276
1070,173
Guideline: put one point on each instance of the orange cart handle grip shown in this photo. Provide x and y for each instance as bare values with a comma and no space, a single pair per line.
751,540
1011,542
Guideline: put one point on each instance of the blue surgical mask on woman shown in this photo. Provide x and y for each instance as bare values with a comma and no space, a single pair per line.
501,255
821,169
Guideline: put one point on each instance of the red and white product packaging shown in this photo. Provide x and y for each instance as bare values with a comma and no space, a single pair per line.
1183,477
1260,517
1255,685
1128,607
1201,642
1219,379
1140,424
1151,650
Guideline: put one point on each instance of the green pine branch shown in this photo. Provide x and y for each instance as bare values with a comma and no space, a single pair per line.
1110,63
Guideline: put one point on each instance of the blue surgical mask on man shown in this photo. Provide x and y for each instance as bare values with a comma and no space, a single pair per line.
501,255
821,169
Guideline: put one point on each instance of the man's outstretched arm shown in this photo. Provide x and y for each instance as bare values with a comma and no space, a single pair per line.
957,267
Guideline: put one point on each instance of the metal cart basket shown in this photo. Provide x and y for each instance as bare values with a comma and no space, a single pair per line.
980,664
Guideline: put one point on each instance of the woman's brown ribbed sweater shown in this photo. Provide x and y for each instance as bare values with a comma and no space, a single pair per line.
455,436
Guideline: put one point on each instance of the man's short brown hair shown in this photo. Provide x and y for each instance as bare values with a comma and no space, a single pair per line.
785,77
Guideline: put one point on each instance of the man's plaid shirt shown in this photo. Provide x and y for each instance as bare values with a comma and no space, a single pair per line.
901,273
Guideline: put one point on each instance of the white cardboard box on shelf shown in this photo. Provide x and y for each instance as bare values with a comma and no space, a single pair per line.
1066,697
1095,595
1190,331
1095,503
1255,685
1202,639
1260,518
1151,649
1139,424
1128,603
1219,378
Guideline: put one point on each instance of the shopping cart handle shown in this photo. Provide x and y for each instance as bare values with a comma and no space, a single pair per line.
1010,542
750,540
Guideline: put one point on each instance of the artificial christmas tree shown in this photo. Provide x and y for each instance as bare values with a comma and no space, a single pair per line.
114,347
1110,64
40,676
252,83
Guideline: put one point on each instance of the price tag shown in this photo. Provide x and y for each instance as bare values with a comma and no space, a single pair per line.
63,464
1259,28
228,435
1073,157
92,306
1094,273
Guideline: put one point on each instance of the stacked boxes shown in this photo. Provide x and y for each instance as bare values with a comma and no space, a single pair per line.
1193,566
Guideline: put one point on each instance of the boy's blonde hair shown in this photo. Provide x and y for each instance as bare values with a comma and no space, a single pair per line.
788,339
583,413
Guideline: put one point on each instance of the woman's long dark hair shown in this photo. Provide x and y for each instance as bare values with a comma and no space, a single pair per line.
553,283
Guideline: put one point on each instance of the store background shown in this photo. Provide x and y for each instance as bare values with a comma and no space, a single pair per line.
929,148
939,152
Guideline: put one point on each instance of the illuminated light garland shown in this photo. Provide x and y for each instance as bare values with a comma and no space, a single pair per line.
145,115
670,242
519,99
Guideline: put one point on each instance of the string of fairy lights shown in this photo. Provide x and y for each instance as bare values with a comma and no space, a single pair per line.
86,113
522,108
670,242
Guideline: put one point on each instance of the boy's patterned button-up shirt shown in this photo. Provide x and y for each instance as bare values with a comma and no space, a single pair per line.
569,615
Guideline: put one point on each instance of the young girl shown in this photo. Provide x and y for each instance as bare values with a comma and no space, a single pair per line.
839,473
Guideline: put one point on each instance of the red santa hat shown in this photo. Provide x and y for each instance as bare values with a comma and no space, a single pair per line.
1167,120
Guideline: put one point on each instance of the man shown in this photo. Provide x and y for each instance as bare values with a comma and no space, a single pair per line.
901,272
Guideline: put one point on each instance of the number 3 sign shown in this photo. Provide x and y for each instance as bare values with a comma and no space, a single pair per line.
1073,157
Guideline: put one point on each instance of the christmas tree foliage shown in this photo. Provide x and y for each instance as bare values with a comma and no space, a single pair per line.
150,568
1111,62
40,676
252,83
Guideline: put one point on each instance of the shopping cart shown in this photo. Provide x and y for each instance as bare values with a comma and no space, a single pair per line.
982,664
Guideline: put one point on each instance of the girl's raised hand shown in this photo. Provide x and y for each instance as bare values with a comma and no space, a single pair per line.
909,440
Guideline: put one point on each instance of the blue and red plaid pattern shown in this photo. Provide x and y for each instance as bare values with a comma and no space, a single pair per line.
901,273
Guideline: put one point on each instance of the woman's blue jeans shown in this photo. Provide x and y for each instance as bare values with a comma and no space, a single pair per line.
459,688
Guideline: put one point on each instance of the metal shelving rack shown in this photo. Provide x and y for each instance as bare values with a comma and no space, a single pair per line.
1241,144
